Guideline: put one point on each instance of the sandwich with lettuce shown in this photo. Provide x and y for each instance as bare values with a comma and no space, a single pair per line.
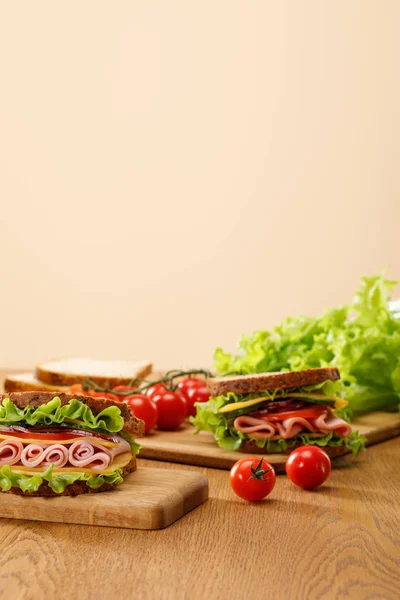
54,444
275,412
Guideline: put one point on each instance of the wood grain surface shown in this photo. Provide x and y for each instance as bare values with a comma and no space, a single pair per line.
338,542
184,446
341,541
148,499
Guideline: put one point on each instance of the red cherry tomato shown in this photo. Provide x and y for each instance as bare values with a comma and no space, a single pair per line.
252,478
196,394
308,467
157,388
189,383
124,388
171,410
107,395
143,408
78,389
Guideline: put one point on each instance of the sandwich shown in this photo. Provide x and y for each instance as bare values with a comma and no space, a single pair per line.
274,412
59,375
57,444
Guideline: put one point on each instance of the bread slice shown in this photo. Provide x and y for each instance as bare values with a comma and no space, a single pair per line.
25,382
250,447
132,424
79,487
106,373
259,382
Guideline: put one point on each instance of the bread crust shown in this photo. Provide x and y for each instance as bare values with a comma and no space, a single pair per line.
259,382
14,385
68,379
77,488
132,424
250,447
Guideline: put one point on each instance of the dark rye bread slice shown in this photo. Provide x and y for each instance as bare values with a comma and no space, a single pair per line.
259,382
79,487
132,424
250,447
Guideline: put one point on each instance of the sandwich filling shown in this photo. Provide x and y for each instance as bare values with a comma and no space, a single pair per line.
62,444
278,420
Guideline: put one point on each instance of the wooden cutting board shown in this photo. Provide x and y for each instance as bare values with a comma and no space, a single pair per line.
201,449
148,499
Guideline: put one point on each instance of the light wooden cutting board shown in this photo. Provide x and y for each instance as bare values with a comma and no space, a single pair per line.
201,449
148,499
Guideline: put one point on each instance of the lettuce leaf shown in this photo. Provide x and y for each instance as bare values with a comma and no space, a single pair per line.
52,413
58,482
361,339
221,426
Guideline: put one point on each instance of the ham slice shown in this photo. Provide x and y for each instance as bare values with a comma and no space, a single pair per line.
289,428
34,455
80,454
10,452
328,422
258,429
261,428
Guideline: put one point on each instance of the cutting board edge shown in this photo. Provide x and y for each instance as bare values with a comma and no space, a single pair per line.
189,493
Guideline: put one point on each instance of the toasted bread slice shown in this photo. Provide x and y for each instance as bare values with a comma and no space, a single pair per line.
79,487
259,382
132,425
26,382
106,373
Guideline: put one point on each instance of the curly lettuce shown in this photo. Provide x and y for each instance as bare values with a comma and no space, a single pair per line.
362,339
52,413
221,426
57,482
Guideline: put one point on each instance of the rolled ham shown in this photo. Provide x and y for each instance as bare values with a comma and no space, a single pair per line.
84,454
32,455
56,455
257,428
289,428
328,422
10,452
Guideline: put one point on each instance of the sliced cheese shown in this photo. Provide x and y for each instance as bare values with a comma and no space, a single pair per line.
69,441
119,462
339,402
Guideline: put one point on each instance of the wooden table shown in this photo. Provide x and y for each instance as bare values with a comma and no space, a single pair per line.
341,541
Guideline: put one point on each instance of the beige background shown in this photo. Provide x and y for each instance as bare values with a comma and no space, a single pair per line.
176,173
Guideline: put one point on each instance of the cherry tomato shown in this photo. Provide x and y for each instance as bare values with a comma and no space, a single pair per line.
143,408
306,413
196,394
157,388
107,395
252,478
189,383
308,467
171,410
124,388
77,388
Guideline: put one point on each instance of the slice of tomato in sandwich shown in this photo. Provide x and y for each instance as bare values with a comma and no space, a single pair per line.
306,413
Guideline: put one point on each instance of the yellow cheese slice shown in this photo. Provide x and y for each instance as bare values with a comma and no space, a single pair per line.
119,462
69,441
339,402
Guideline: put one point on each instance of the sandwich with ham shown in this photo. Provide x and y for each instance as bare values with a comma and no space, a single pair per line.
54,444
274,412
